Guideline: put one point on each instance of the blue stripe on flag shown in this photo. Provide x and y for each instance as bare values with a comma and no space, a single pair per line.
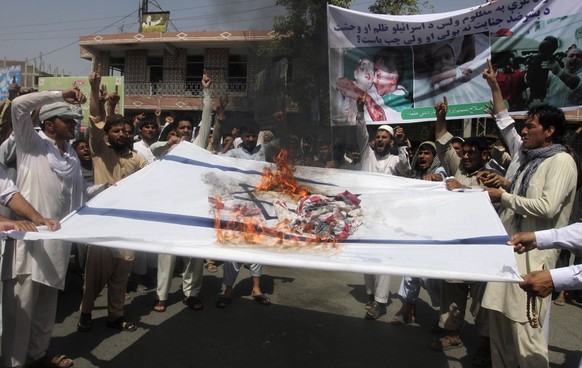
188,161
207,222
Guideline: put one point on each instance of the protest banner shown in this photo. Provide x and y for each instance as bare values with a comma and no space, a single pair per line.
402,65
390,225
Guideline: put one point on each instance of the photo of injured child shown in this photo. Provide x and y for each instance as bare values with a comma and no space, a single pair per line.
452,68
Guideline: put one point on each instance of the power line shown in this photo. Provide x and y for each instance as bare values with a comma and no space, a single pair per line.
52,23
45,31
88,28
226,13
230,21
74,42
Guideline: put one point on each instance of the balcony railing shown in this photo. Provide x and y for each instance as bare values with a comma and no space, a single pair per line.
184,89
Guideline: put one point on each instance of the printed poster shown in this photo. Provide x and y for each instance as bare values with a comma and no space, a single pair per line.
403,65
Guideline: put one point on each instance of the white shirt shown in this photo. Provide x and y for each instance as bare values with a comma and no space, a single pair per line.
569,237
7,187
387,164
143,149
46,261
513,140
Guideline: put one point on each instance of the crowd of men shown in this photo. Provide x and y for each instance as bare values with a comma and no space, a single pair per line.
44,177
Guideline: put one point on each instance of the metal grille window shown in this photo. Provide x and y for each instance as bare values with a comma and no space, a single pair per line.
194,68
237,70
116,66
155,74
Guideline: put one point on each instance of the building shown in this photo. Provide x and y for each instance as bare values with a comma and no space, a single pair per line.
30,72
164,69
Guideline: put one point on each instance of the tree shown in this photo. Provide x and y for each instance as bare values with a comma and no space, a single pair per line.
302,38
398,7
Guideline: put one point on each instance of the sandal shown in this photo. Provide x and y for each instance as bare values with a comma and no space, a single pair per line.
405,317
262,299
85,322
376,311
211,267
223,302
121,324
446,343
160,306
370,301
560,300
402,319
193,303
482,357
52,361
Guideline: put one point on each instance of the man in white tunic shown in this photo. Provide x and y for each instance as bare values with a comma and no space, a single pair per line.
248,150
540,197
49,177
380,160
193,267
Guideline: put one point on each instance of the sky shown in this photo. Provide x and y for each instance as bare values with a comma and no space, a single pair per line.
30,29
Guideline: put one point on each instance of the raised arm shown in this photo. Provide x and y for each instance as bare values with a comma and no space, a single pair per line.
441,109
97,112
505,122
445,151
112,99
202,138
158,117
403,168
362,135
27,140
497,98
220,116
95,107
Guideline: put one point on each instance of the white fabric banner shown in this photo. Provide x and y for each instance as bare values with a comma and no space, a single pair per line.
402,65
392,225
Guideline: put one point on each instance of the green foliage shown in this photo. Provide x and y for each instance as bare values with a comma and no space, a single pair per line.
399,7
302,37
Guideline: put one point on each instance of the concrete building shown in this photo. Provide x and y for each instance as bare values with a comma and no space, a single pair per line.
31,71
163,70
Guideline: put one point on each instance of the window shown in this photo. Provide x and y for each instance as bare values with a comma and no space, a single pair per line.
156,69
237,72
116,66
194,68
155,74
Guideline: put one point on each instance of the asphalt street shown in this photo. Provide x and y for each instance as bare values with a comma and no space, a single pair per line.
316,319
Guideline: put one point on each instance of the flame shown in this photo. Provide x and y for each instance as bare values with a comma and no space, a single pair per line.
282,180
246,227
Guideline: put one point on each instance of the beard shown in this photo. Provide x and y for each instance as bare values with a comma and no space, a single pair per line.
382,150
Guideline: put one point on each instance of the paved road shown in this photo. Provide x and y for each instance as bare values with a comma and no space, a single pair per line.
316,320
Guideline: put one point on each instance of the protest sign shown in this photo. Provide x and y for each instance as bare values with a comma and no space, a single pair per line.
402,65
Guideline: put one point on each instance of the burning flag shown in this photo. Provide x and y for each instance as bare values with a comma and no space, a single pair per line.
316,220
386,224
